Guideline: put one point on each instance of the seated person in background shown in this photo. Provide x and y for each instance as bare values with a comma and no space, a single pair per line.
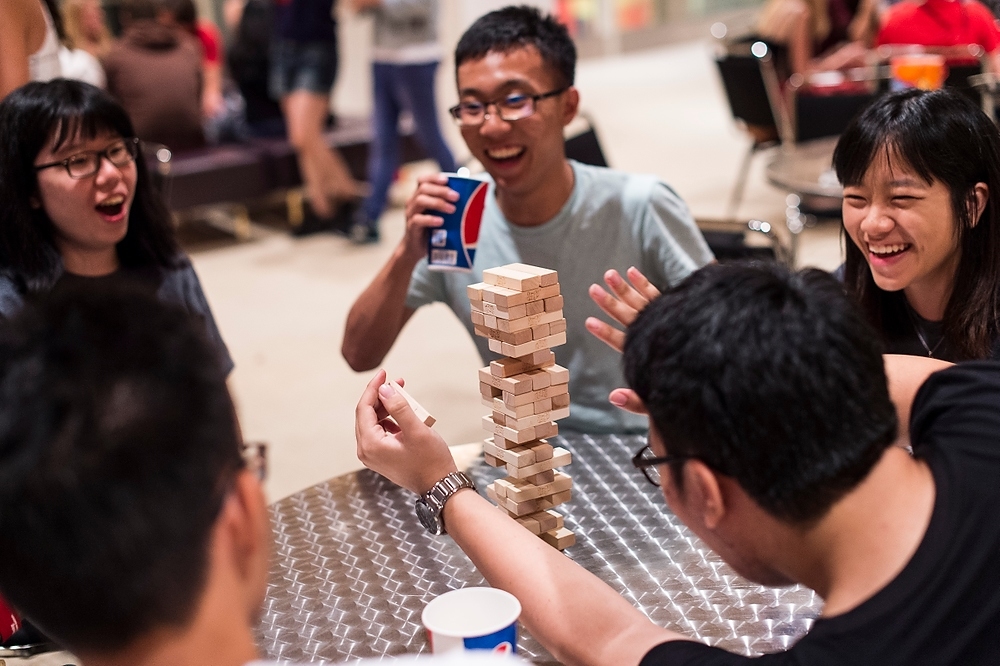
515,72
131,531
942,23
921,173
29,44
183,15
79,208
772,425
155,72
819,34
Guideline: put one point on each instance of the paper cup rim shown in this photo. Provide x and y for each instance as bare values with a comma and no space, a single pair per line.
498,596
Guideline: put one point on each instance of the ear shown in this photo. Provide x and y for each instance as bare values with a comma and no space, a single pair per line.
981,195
703,494
571,105
245,522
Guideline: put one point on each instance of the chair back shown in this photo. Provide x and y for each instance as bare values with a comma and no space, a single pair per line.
750,80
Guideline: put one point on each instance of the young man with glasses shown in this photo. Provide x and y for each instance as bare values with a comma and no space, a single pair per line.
515,71
776,432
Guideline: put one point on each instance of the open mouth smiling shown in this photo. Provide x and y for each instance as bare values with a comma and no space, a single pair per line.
504,154
112,207
887,251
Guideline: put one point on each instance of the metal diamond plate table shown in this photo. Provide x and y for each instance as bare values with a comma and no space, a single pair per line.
353,569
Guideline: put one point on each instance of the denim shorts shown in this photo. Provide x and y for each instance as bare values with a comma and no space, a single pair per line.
310,66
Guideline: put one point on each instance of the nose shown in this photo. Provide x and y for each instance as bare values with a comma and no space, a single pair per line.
493,124
107,172
877,223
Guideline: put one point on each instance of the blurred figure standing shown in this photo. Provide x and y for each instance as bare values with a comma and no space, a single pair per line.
183,15
405,60
303,71
86,26
29,44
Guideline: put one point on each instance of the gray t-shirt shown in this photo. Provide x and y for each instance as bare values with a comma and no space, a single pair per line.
611,220
179,286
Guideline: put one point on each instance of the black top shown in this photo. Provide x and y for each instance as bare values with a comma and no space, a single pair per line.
944,607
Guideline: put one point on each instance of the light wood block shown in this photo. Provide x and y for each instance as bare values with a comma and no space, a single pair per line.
539,379
512,279
532,346
507,367
519,412
536,307
559,401
560,538
530,524
535,419
528,321
515,385
490,321
519,455
558,326
542,478
520,490
554,304
417,408
478,318
527,507
493,461
515,400
489,391
475,291
541,331
540,358
518,436
547,275
560,458
557,374
516,312
546,430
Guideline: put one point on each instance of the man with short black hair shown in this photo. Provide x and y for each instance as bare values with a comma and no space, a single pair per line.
515,74
131,531
773,433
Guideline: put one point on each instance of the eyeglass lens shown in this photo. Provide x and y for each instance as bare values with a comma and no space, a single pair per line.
513,107
652,472
89,163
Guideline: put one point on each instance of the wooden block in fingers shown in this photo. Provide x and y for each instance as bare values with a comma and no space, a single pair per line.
417,408
560,538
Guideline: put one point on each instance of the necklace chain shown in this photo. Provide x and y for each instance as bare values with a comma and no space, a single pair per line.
920,336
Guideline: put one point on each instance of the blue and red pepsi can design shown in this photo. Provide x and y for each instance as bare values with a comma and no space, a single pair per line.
500,642
452,246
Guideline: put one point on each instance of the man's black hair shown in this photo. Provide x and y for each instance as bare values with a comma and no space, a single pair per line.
118,445
516,27
770,377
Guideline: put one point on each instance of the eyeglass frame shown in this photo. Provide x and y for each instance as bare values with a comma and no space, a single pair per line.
643,464
453,111
131,145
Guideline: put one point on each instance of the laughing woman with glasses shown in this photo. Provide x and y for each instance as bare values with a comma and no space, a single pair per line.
78,206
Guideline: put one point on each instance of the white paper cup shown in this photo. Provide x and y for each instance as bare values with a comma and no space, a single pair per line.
473,618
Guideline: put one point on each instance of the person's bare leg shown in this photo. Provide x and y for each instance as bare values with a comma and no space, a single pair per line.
324,172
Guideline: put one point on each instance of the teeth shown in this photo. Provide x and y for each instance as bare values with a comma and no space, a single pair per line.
886,249
113,201
504,153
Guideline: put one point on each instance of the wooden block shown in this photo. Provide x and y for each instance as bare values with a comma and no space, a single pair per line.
542,293
542,478
540,331
539,406
519,456
534,419
543,450
536,307
547,275
519,412
541,447
518,436
558,326
492,461
504,297
528,507
490,321
417,408
530,524
478,318
554,304
559,401
541,358
546,430
548,520
512,279
475,291
481,331
528,321
516,384
539,379
518,338
533,345
521,490
516,312
552,501
560,538
491,492
508,367
560,457
489,391
557,374
515,400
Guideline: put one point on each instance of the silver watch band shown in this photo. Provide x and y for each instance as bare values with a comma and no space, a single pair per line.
443,490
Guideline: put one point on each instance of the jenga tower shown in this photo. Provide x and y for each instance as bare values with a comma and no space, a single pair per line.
518,307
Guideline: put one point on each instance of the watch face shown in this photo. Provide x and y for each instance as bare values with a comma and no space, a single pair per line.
428,517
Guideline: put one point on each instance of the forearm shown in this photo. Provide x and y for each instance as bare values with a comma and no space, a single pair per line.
379,313
905,376
570,611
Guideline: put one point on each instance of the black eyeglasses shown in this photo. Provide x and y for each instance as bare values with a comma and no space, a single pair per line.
650,464
86,164
510,108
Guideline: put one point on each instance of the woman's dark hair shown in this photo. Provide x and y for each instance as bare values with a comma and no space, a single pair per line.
57,111
943,137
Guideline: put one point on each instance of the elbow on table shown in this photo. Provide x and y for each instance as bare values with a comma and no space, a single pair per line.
358,356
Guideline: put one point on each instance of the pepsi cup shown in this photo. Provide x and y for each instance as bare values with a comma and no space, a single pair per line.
472,618
452,246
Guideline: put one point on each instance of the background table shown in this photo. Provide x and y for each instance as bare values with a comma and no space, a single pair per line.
353,569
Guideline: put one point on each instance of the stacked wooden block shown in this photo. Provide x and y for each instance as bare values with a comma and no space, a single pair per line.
519,308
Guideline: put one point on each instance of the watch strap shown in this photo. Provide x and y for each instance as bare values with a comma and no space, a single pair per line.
443,490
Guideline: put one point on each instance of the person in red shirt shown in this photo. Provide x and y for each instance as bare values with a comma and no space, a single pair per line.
942,23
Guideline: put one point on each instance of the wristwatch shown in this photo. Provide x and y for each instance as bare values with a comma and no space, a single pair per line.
430,504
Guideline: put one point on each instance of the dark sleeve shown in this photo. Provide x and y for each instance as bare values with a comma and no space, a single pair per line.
960,408
689,653
182,286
